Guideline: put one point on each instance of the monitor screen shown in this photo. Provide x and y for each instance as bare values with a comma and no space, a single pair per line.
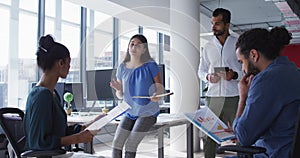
98,87
77,90
162,73
162,76
60,88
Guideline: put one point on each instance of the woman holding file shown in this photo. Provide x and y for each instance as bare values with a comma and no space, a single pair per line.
137,75
45,121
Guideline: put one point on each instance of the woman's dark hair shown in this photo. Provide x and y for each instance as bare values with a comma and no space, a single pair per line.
146,55
268,43
226,15
49,52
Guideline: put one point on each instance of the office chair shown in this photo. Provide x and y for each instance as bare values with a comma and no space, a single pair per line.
249,151
3,145
11,121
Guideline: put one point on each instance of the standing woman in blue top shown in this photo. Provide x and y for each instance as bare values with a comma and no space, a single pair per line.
45,121
137,75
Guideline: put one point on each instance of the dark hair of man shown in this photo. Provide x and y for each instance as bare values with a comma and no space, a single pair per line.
282,36
146,55
226,15
268,43
49,52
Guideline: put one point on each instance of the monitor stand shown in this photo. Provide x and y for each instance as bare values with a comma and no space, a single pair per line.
105,109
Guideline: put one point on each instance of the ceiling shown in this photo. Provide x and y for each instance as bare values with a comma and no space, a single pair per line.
246,14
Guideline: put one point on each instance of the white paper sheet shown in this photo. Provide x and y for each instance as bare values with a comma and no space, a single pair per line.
111,115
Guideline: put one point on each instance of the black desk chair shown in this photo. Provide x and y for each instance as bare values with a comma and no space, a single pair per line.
11,121
248,152
3,145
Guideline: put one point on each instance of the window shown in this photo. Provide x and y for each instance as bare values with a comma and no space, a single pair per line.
50,18
99,41
63,22
18,42
4,49
152,39
127,30
70,37
99,53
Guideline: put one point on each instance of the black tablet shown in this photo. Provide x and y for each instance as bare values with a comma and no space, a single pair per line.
219,69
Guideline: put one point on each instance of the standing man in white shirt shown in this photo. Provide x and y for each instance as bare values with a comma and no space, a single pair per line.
222,95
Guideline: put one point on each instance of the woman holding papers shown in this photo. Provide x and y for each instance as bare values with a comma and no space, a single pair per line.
45,121
137,75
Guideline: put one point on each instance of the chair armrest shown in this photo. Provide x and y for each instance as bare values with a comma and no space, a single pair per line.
242,149
38,153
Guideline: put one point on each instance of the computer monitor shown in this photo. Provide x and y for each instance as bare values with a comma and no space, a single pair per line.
162,73
60,88
76,89
98,87
162,76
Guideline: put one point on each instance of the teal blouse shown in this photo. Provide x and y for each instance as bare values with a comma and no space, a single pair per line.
45,120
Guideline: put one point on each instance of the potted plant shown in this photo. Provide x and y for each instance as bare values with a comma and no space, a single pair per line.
68,97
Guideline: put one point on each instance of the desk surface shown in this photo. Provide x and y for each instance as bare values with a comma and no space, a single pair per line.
162,119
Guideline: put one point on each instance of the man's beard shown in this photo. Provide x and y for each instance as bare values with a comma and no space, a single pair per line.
252,70
218,32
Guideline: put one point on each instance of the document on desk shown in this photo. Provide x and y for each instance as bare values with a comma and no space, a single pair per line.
149,97
111,115
210,124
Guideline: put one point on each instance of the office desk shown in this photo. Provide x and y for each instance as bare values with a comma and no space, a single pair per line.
164,121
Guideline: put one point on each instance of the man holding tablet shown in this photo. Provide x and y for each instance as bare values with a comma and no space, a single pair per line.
220,68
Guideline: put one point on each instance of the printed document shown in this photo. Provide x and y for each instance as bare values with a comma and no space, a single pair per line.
149,97
210,124
111,115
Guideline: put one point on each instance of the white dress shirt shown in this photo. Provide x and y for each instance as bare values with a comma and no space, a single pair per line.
214,54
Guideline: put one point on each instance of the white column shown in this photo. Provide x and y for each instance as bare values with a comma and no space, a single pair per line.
185,45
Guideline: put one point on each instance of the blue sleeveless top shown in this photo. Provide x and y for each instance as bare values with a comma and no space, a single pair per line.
139,82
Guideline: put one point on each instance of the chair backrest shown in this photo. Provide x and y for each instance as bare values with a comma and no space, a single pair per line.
295,152
11,121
